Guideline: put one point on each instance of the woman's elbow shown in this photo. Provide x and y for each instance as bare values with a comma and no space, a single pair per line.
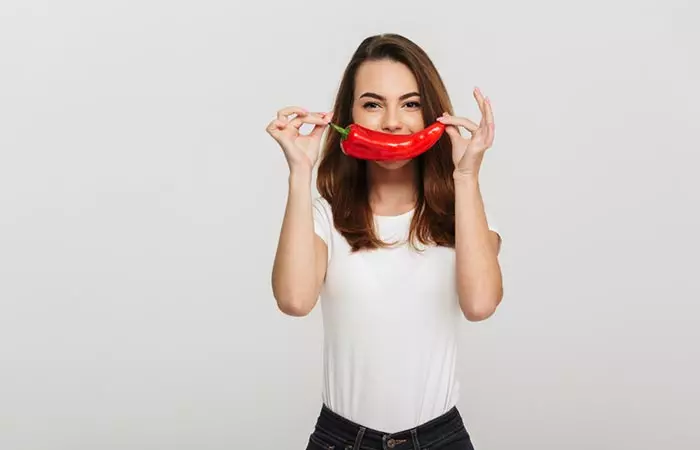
293,303
478,315
295,308
477,310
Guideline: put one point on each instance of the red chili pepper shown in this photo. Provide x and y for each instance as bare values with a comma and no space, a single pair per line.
364,143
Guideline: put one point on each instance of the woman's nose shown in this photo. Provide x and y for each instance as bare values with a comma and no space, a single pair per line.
391,123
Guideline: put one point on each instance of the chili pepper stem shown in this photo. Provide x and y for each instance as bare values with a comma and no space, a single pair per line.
343,131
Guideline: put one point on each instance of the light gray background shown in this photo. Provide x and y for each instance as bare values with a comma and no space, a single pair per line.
141,200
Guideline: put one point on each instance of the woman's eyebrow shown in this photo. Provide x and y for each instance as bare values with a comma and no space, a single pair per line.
382,98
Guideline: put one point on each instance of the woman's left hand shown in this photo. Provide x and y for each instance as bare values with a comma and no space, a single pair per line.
468,152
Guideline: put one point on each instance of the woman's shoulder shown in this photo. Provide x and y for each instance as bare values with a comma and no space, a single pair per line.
320,201
323,219
323,212
322,206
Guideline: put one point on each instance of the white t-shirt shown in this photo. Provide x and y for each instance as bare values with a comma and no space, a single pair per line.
390,320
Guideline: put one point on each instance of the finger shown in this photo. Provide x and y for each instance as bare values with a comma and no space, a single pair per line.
490,123
275,126
276,129
288,111
479,96
314,119
489,111
452,132
318,130
459,121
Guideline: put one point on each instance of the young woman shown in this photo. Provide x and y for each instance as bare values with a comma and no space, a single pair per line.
399,252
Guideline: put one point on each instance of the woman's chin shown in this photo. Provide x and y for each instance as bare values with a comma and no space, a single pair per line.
392,165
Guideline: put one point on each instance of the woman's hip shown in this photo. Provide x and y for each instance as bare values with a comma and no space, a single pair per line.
334,432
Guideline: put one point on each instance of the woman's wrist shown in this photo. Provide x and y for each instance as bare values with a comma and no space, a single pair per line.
300,176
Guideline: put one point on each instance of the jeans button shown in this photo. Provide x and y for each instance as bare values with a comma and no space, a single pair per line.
391,443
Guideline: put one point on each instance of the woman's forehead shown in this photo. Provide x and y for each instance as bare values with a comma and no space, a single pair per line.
385,78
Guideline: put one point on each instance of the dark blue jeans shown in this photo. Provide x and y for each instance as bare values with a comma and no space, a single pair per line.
333,432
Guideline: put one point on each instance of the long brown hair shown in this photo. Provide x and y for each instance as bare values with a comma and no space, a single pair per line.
342,180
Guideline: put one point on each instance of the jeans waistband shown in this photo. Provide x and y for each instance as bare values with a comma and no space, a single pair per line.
421,436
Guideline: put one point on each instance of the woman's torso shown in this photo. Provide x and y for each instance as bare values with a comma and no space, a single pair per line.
391,321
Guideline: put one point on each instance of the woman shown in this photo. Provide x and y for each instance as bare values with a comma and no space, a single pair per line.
399,252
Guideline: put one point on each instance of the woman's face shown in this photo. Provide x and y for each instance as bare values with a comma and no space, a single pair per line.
387,99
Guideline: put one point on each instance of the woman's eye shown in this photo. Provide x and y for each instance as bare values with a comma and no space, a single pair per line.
369,105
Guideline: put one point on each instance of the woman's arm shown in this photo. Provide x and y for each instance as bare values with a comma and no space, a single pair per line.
301,258
479,281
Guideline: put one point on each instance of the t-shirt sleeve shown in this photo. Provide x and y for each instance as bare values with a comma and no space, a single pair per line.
493,224
323,221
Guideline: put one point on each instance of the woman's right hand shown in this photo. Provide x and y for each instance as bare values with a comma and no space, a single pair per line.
301,151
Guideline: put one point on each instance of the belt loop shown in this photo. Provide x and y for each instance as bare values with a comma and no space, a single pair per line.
358,439
414,435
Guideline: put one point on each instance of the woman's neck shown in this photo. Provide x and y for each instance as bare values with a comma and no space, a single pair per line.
392,191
